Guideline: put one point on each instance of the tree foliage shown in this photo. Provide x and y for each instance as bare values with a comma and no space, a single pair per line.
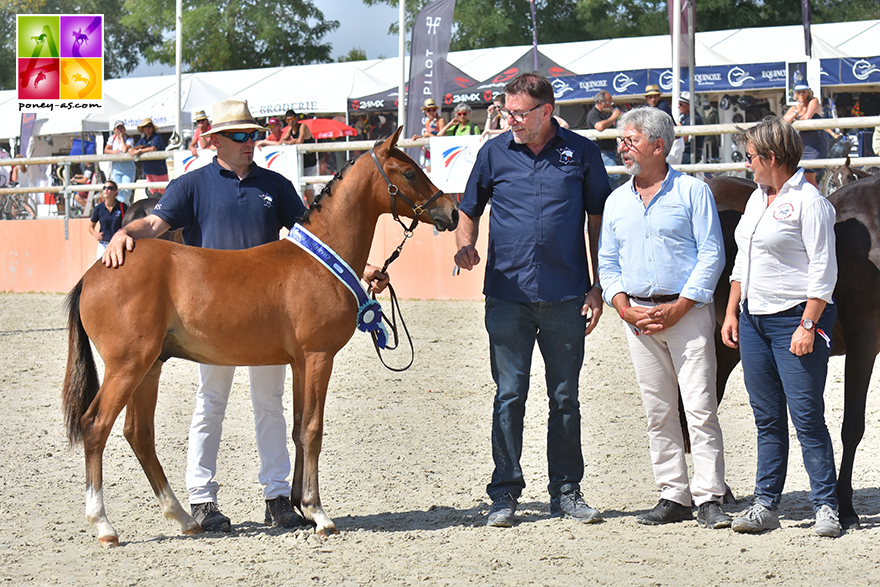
497,23
354,54
234,34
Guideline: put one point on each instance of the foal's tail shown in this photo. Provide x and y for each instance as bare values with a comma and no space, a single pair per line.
81,378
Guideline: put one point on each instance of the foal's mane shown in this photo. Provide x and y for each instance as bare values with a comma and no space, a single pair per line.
328,188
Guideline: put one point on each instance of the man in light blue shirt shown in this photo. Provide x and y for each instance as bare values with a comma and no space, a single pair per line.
660,257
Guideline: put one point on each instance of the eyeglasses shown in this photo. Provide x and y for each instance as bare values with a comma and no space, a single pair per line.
519,116
628,142
430,110
240,136
109,188
461,113
750,156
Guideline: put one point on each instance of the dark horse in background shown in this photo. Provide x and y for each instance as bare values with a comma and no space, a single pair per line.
143,208
186,302
857,295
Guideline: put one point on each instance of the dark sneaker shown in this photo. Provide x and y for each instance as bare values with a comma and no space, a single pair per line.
279,512
210,518
571,504
712,516
502,513
665,512
827,522
755,518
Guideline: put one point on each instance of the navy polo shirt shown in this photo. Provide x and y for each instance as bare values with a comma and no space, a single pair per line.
158,166
537,246
110,220
216,210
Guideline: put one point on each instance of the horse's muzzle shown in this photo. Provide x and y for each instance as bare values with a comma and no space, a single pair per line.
444,218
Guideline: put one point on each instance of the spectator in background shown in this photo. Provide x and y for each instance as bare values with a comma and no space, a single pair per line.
90,175
296,133
121,171
684,108
274,135
495,123
202,126
107,216
434,123
461,125
815,141
156,169
654,99
603,116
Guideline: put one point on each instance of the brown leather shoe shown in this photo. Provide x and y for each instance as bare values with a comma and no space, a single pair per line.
279,512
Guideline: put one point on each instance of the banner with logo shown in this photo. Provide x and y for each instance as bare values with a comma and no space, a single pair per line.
59,62
431,34
859,71
279,158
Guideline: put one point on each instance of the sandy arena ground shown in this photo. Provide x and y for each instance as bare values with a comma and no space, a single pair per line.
405,462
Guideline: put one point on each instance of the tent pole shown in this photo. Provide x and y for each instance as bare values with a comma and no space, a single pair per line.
401,91
178,59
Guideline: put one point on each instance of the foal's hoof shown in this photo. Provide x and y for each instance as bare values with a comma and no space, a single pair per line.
109,541
192,531
850,522
327,531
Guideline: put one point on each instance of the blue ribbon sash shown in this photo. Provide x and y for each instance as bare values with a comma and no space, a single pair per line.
369,315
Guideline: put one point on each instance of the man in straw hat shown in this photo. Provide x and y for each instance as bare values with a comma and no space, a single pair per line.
654,99
155,170
199,141
225,205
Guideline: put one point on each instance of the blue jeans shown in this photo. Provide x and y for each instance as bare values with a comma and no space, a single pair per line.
609,158
123,172
775,377
513,328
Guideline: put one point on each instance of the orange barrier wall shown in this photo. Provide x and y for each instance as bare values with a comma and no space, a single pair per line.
35,257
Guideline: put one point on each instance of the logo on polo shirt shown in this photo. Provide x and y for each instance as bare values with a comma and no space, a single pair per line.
784,212
566,155
267,200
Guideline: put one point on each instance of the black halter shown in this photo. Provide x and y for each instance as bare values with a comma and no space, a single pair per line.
394,191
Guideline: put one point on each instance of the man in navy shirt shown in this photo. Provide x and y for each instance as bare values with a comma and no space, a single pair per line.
544,183
154,170
231,204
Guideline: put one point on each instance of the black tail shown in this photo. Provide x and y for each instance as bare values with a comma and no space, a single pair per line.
81,378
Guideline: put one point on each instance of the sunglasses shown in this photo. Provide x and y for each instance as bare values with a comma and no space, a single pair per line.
240,136
750,156
461,113
109,188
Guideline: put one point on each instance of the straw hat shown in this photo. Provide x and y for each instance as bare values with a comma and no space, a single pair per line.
652,90
232,115
144,123
200,115
429,103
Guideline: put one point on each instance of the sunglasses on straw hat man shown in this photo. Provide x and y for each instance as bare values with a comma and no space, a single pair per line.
234,120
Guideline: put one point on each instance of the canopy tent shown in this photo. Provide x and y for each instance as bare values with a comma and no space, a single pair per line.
385,101
482,93
196,94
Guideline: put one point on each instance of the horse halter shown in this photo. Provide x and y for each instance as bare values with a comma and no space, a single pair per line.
394,191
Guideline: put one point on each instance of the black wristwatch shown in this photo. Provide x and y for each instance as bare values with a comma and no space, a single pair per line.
808,324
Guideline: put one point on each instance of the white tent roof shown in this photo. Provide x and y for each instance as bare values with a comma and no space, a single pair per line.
196,94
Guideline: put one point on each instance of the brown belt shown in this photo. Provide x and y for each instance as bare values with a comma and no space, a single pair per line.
656,299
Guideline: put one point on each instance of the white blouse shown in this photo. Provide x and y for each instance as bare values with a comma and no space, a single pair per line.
786,251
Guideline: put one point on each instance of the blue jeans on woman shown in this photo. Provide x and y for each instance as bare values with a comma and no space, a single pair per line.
123,172
513,328
774,377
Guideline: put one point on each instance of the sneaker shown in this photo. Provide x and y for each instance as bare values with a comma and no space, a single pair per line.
827,522
756,518
571,504
665,512
209,517
502,513
279,512
712,516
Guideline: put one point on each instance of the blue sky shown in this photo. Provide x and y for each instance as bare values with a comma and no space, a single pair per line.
362,26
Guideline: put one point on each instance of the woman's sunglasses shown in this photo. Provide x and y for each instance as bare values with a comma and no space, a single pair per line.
241,136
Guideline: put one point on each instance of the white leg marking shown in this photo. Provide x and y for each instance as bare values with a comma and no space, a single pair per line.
172,510
96,514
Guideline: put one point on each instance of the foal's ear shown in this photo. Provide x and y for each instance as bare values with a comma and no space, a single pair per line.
391,141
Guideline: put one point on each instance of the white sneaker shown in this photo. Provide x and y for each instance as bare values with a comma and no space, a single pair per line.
827,523
755,518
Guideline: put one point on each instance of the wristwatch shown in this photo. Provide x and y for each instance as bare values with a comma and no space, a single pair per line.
808,324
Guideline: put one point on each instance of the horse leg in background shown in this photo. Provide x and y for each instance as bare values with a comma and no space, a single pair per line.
140,430
861,352
309,394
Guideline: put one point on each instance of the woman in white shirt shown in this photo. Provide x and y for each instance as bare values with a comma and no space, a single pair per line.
122,171
781,287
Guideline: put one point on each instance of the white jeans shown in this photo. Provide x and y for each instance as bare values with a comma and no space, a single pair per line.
681,357
267,392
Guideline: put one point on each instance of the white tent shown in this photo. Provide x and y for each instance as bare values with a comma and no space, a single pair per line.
196,94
